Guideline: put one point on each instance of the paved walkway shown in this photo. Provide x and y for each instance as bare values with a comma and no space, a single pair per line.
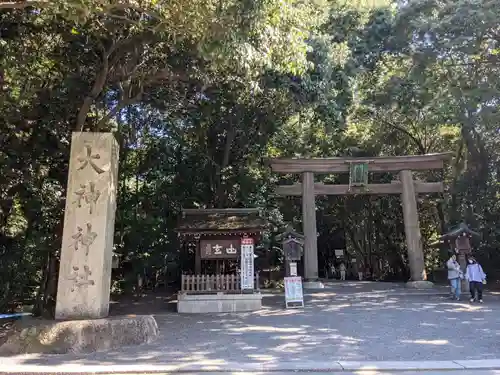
341,368
347,326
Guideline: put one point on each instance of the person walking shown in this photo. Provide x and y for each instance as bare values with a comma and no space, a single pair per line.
332,270
476,277
454,276
342,269
360,273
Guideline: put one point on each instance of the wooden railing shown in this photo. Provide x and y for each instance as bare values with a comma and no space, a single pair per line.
213,283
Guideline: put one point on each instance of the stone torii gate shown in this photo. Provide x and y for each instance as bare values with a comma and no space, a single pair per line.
358,184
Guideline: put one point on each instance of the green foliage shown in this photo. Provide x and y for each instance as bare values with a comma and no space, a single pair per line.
198,92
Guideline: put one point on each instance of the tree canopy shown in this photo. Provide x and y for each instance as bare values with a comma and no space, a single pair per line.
199,92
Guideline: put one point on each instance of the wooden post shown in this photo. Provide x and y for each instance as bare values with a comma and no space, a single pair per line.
197,258
309,225
412,227
287,267
463,266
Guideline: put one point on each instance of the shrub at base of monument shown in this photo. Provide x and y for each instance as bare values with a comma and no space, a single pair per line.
79,336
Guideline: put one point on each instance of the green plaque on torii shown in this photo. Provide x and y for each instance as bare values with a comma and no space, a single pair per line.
358,174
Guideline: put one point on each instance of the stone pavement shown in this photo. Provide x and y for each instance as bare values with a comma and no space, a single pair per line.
345,327
285,372
463,372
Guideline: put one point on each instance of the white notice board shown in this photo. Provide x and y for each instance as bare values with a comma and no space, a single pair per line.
294,296
247,263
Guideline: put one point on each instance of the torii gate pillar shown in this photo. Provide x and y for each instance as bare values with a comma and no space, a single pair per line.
412,227
310,231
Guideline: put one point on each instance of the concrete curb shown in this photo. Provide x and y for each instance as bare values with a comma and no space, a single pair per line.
221,366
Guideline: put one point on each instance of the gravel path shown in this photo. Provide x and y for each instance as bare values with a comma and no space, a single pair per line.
350,322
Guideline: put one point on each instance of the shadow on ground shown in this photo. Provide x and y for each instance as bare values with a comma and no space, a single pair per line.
345,321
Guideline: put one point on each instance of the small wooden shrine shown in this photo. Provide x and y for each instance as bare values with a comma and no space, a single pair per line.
218,251
293,249
458,241
459,238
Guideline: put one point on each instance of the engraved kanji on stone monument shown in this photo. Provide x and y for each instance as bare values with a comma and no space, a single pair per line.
80,278
88,159
89,196
86,239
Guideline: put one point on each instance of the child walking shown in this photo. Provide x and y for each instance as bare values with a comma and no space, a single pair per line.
476,277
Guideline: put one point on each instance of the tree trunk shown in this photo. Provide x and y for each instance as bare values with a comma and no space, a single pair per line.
45,304
39,300
441,217
221,193
454,211
46,297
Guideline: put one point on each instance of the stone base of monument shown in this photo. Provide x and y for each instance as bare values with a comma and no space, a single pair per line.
313,285
79,336
422,284
218,303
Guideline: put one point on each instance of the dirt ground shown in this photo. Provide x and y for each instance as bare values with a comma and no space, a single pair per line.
145,303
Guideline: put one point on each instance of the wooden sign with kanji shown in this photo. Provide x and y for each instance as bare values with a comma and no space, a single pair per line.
220,249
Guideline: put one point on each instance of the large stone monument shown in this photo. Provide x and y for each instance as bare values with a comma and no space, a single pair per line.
86,262
89,219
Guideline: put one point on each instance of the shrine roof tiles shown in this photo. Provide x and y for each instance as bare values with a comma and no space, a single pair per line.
207,221
289,233
460,230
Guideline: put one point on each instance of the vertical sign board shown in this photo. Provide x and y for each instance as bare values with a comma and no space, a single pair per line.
247,263
293,292
293,268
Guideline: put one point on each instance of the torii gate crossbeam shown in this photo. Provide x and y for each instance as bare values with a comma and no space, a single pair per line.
406,186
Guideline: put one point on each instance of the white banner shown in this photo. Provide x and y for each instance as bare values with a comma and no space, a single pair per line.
247,263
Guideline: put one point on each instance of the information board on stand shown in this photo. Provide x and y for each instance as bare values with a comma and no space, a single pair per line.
247,263
294,296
